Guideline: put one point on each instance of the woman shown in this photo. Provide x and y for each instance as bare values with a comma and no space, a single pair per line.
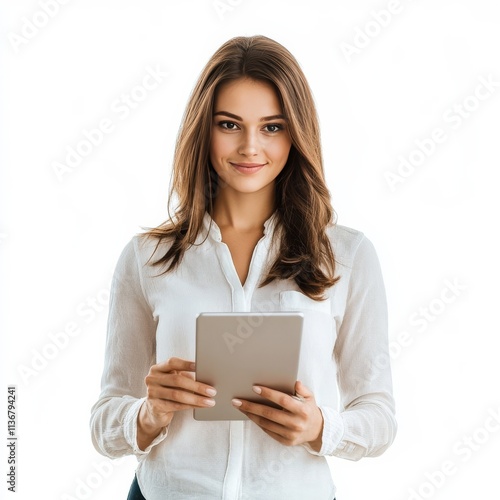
253,230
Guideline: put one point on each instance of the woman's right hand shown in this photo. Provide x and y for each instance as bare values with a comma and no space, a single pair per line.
170,387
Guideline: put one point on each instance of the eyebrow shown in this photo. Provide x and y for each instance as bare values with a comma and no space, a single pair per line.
263,119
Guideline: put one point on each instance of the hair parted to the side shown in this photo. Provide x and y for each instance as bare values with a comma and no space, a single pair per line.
302,198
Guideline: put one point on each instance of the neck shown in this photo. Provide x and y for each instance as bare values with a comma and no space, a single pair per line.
243,211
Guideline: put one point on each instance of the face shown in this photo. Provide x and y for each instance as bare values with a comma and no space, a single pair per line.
250,141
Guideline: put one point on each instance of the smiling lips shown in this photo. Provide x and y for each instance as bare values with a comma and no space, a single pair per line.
248,168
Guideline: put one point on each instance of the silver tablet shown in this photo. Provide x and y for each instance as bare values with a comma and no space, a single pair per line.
237,350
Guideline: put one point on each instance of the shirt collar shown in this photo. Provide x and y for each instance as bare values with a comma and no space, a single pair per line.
213,229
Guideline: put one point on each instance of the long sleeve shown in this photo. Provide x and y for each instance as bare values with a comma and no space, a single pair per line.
344,355
365,425
130,352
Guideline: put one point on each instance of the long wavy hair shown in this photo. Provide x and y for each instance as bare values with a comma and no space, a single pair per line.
302,199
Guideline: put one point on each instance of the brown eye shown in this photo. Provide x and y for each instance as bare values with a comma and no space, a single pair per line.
227,125
274,127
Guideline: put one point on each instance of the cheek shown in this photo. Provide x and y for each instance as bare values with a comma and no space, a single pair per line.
220,153
220,146
279,149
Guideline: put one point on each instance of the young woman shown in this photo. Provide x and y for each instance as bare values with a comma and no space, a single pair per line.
253,230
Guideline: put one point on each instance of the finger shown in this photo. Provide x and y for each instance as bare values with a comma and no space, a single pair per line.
302,390
263,412
176,364
160,406
179,380
157,381
185,368
181,397
286,401
278,437
190,375
277,431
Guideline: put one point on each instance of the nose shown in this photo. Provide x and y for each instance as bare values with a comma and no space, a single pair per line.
250,144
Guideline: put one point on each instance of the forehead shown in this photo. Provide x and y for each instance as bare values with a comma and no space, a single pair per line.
247,97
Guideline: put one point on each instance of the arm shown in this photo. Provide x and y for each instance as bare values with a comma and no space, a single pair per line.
130,352
366,426
138,397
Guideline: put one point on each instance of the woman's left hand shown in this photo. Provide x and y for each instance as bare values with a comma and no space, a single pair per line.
298,421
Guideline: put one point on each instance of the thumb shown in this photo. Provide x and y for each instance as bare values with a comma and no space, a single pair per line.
302,390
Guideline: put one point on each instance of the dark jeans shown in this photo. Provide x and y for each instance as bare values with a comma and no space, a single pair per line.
135,491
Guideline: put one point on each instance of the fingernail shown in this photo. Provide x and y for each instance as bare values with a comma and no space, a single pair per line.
211,392
192,366
256,389
236,402
209,402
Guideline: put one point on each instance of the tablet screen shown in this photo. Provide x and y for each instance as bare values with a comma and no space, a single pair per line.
235,351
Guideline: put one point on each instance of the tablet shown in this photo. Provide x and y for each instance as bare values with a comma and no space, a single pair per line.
237,350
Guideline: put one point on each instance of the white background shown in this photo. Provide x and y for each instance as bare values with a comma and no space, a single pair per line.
60,236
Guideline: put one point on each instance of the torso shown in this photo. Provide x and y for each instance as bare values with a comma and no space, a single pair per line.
241,246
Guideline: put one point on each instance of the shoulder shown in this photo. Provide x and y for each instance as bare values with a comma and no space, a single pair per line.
352,249
345,242
138,250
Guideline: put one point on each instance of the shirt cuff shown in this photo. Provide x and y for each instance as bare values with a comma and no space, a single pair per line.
333,431
130,429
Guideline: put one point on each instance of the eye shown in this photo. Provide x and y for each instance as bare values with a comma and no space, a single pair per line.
227,125
274,127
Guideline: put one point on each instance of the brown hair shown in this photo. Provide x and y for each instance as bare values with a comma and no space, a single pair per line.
302,199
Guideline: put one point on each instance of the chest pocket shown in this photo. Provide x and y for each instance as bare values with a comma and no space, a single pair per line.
292,300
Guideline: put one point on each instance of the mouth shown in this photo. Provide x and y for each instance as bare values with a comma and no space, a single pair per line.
248,168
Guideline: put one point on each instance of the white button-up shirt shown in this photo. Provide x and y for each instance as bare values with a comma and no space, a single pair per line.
344,361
